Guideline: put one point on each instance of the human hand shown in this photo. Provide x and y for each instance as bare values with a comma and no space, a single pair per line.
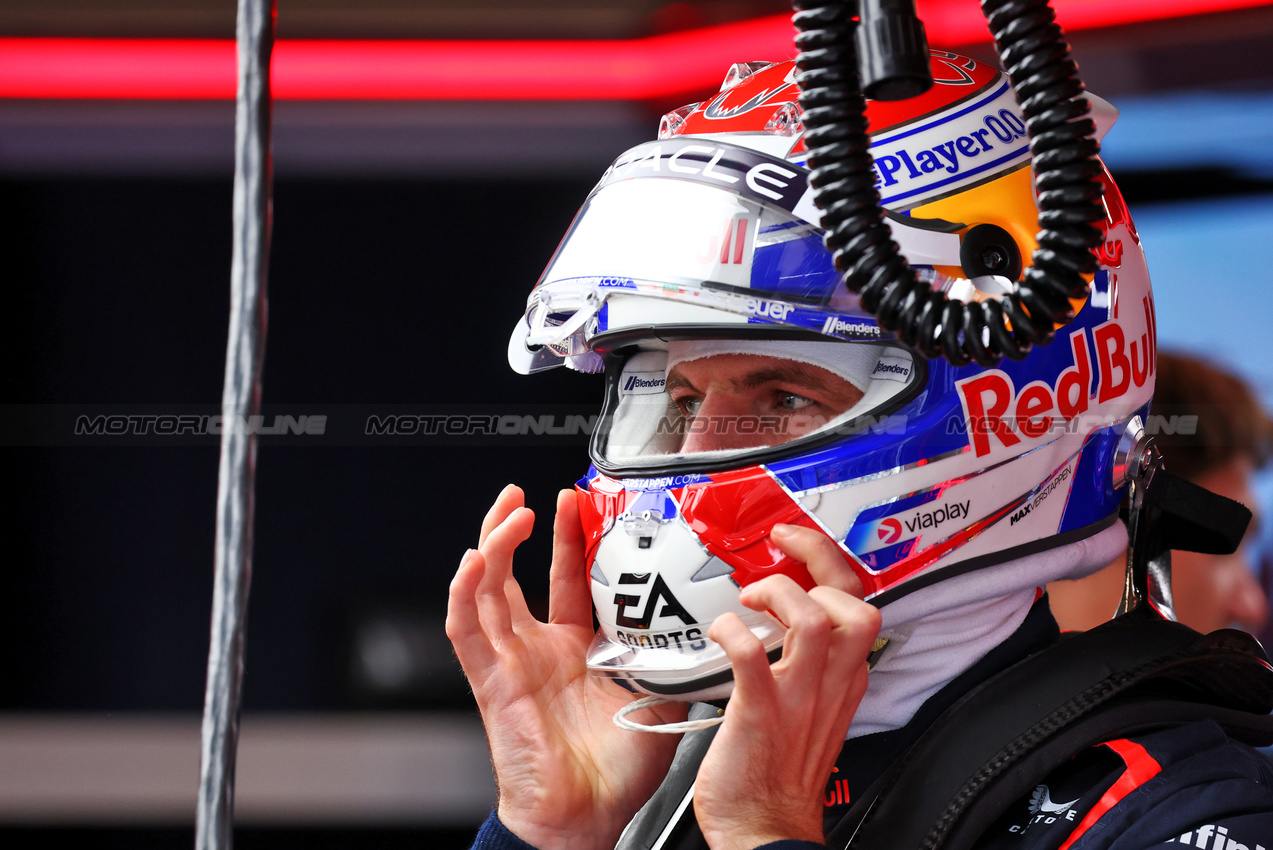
567,776
764,775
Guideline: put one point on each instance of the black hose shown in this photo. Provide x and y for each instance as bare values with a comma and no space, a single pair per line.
1063,149
240,400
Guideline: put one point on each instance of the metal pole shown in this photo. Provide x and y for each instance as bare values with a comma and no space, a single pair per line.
240,399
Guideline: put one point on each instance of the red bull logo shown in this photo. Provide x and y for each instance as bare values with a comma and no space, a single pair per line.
998,412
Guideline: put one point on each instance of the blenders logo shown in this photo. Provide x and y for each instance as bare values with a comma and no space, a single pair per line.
892,369
840,326
643,383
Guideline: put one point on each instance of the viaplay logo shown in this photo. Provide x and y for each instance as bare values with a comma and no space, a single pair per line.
910,524
889,530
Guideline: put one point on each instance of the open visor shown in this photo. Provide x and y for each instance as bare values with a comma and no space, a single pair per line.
649,424
698,237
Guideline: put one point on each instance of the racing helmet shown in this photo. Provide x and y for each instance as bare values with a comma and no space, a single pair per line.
704,242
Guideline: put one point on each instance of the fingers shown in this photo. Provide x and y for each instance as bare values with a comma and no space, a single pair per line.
499,599
824,622
510,499
754,686
568,597
463,625
820,554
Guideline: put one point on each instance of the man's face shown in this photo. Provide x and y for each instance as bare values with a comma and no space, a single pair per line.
740,401
1215,591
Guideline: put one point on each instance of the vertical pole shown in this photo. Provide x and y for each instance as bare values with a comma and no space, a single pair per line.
240,399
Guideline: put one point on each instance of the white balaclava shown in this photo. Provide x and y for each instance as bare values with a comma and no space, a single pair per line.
946,627
853,362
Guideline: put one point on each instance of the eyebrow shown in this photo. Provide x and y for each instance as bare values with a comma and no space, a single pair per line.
675,380
793,374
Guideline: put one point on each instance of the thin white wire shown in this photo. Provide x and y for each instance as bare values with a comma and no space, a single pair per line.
621,718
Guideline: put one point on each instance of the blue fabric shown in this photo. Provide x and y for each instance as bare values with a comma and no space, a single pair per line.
495,836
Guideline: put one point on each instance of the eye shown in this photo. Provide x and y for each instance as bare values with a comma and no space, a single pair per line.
688,405
791,401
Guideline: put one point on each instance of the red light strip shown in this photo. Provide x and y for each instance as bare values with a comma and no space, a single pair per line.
953,22
637,69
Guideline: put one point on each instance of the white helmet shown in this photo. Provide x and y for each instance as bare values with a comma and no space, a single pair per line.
706,242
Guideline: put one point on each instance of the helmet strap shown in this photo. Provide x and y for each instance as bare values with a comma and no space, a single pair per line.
621,718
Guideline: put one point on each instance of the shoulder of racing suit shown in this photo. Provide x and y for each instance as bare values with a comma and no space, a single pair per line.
1137,714
1186,785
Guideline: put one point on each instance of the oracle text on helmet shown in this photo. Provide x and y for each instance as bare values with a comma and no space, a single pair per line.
996,411
703,162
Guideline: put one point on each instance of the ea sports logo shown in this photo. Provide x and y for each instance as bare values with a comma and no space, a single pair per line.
889,530
659,592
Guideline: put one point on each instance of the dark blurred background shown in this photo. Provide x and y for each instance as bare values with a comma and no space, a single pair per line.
406,237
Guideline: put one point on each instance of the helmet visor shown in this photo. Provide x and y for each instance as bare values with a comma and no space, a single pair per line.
727,240
783,397
689,234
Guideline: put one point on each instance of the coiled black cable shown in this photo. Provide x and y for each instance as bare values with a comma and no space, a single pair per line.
1063,148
